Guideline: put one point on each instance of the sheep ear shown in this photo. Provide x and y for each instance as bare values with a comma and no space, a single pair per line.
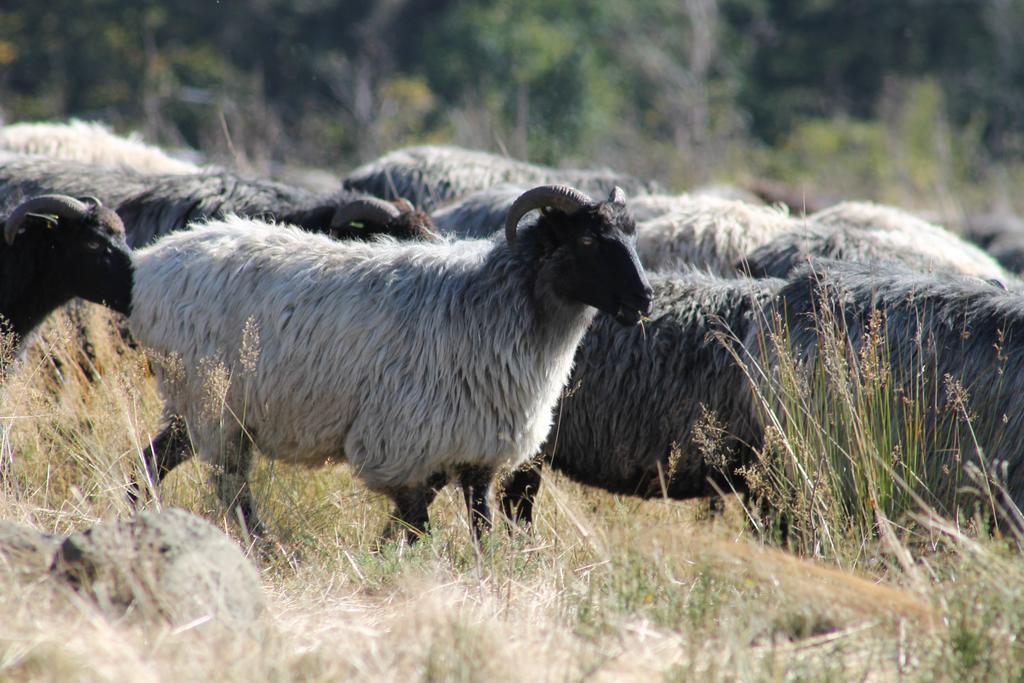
617,196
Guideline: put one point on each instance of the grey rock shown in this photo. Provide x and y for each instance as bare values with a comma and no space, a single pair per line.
26,551
168,565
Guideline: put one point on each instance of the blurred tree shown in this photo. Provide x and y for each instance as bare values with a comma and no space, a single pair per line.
547,79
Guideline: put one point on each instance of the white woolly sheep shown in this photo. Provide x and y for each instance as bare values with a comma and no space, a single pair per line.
411,361
727,237
90,143
903,232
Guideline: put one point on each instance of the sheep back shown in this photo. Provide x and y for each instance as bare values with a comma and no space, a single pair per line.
917,242
430,175
708,232
90,143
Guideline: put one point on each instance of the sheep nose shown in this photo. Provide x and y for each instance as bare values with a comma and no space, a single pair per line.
641,301
647,298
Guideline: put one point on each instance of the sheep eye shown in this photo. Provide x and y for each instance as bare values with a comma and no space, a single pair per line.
587,241
94,245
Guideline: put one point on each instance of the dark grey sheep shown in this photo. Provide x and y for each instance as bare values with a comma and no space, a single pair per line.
634,399
432,175
481,214
153,205
638,399
965,336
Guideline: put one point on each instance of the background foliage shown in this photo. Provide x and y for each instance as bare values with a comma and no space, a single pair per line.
900,91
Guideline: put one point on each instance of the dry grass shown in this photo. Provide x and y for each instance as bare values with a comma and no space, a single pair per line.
604,588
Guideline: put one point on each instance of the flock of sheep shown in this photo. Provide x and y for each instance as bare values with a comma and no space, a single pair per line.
447,313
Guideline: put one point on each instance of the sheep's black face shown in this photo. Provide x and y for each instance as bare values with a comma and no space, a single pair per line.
601,265
94,259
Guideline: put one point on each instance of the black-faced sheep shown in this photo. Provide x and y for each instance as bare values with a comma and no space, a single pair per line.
56,248
961,337
411,361
153,205
676,232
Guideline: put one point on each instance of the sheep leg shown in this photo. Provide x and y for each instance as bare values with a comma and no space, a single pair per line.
518,492
411,506
476,487
170,448
231,480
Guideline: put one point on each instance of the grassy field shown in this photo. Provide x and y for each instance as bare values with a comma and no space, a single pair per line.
603,588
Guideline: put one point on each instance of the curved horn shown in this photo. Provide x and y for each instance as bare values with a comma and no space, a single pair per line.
61,205
369,209
560,197
92,200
